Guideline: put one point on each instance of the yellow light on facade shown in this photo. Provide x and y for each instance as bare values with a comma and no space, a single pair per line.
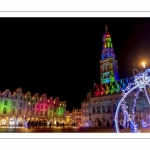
143,64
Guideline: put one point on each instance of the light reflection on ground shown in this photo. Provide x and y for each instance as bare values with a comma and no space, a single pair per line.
66,130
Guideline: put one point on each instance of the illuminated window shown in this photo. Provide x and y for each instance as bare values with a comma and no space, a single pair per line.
4,111
5,103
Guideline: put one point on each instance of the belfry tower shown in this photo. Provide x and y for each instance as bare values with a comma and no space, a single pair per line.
108,63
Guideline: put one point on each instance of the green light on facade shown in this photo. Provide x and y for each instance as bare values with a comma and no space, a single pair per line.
60,111
6,106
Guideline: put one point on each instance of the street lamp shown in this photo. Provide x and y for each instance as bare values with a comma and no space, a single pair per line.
143,64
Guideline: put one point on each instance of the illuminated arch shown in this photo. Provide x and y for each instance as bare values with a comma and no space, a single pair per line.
141,81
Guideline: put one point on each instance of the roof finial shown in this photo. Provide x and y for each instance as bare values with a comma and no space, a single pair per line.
106,28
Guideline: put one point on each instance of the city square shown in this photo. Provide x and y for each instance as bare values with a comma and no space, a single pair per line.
115,103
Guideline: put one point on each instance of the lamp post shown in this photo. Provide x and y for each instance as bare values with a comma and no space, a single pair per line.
143,64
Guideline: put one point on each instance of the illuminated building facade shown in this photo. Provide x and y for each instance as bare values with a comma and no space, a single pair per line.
69,118
108,63
77,116
99,107
18,108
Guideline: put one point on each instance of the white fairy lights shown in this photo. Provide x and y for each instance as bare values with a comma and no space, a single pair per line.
141,80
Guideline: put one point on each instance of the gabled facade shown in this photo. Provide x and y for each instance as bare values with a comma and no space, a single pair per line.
18,108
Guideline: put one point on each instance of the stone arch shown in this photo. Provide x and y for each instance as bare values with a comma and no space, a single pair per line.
98,122
104,121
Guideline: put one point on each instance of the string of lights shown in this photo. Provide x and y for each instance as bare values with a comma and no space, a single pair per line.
141,81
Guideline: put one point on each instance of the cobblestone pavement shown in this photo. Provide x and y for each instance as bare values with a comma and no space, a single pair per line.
66,130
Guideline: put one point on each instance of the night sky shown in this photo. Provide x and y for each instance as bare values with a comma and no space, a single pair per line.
60,56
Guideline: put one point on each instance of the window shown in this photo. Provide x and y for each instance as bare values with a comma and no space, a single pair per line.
41,113
103,109
33,105
13,111
37,106
15,97
45,107
5,103
41,106
114,108
33,112
50,114
28,98
6,95
4,111
51,108
36,113
14,103
93,110
21,97
20,104
28,106
98,110
108,109
36,99
45,113
20,111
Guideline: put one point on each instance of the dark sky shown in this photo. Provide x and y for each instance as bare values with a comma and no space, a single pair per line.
60,56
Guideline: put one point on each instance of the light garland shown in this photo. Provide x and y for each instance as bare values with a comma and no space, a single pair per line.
141,80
